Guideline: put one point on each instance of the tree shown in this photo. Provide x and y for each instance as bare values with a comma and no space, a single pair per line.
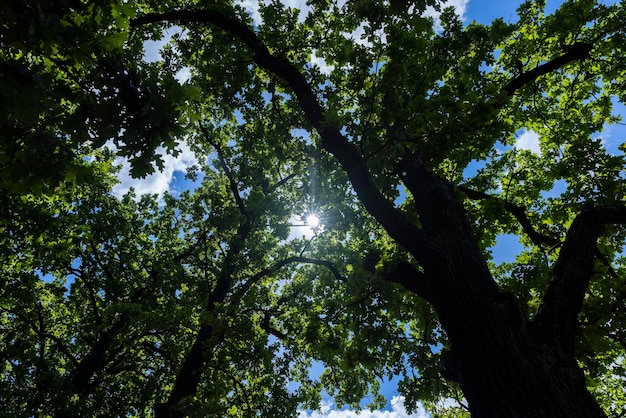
431,116
189,306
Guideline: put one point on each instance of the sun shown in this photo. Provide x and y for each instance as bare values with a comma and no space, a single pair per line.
312,221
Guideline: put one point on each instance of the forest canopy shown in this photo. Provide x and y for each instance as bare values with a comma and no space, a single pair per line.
355,163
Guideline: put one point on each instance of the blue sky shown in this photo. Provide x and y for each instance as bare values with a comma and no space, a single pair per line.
172,178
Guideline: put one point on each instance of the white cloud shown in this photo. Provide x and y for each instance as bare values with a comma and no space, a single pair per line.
183,75
159,181
301,5
252,7
529,140
447,403
321,63
398,410
460,6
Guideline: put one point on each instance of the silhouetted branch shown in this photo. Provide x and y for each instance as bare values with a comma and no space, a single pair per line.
398,227
557,318
578,51
518,212
408,276
282,263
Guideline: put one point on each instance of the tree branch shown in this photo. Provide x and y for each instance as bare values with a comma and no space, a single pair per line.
280,183
189,375
59,343
96,360
445,223
267,327
42,331
518,212
578,51
231,179
408,277
556,320
612,214
278,265
397,226
90,291
189,251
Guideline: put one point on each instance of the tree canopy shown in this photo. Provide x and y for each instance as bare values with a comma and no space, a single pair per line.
400,133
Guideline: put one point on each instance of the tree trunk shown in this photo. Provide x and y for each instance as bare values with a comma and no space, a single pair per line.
504,372
188,378
506,366
503,362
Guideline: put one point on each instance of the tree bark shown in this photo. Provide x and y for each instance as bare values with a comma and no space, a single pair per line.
502,366
504,372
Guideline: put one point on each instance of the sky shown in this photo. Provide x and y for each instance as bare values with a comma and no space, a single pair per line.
172,179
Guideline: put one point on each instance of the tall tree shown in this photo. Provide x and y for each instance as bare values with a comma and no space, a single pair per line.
422,122
196,305
411,106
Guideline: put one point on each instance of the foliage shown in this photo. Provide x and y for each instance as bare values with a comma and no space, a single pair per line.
202,303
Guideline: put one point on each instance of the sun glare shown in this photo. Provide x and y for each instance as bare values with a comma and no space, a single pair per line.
312,221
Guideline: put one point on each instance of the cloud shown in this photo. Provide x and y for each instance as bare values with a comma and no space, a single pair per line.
460,6
252,7
398,410
529,140
159,181
321,63
183,75
301,5
152,52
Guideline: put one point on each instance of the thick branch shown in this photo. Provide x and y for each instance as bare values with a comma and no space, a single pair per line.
190,373
518,212
408,277
445,223
188,377
267,327
96,360
282,263
557,319
398,227
578,51
612,214
42,332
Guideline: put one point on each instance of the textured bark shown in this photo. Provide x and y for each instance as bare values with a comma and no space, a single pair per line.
503,370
